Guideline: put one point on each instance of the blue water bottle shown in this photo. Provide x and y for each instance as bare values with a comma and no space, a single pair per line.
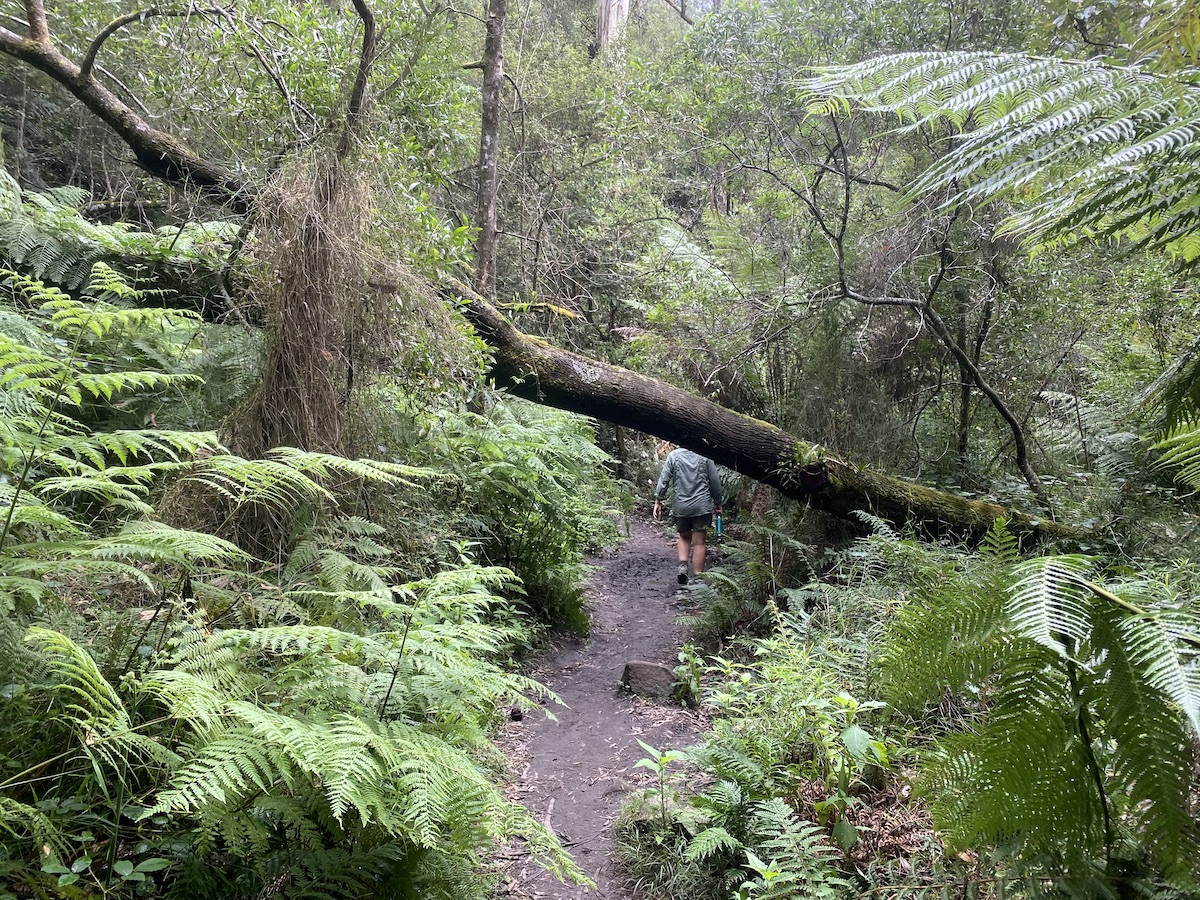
720,527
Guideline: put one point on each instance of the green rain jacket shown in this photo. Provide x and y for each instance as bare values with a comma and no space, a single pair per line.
697,484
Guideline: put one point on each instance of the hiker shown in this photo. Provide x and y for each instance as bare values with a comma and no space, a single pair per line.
697,497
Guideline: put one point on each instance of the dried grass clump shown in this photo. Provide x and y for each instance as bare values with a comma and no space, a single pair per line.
337,316
310,242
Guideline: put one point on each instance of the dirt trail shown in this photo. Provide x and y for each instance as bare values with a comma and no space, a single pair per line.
574,773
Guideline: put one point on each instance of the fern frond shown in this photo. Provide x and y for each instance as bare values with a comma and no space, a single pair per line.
92,706
324,465
1180,447
1050,602
27,823
711,842
1140,659
1104,149
797,851
149,541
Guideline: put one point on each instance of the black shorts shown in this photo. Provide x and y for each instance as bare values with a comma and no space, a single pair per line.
688,524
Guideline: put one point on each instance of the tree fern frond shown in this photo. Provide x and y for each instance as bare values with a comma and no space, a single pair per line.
189,696
95,697
1180,447
1049,602
324,465
303,640
91,704
1071,131
263,481
223,772
1143,720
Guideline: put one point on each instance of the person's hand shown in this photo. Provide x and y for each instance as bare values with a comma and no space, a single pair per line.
717,510
658,509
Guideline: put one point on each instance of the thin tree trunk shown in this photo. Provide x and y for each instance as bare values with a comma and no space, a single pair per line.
489,147
964,389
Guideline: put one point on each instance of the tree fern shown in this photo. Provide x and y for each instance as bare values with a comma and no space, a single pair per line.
1090,432
1083,695
528,477
956,641
1101,148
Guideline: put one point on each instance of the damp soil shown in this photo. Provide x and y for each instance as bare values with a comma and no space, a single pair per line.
574,772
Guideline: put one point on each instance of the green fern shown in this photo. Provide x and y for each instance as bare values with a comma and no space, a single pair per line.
1082,694
800,860
1101,148
47,236
319,717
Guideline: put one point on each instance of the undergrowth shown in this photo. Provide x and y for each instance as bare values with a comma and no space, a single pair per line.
183,718
932,720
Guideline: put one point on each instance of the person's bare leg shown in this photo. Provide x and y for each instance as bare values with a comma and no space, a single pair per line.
685,548
699,549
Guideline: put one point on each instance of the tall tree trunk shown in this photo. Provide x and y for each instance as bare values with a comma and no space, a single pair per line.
489,147
610,21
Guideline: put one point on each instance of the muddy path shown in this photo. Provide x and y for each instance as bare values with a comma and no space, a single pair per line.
574,772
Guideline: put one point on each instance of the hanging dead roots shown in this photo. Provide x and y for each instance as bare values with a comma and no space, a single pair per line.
311,245
338,317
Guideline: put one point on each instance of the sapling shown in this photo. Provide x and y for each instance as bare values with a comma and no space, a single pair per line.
658,762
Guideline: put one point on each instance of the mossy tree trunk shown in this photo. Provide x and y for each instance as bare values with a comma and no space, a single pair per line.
531,368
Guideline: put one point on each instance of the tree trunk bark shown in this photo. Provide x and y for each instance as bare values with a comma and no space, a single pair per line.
610,19
489,146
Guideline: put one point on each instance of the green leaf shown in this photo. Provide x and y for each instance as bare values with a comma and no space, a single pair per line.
154,864
845,834
858,742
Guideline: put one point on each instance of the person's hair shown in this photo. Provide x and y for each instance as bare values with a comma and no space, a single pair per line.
662,448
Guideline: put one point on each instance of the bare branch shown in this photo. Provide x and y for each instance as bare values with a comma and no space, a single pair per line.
9,39
356,108
681,8
141,15
866,300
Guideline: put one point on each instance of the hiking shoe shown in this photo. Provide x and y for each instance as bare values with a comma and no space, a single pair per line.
683,573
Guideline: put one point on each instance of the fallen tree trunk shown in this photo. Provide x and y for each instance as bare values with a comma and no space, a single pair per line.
545,374
538,371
